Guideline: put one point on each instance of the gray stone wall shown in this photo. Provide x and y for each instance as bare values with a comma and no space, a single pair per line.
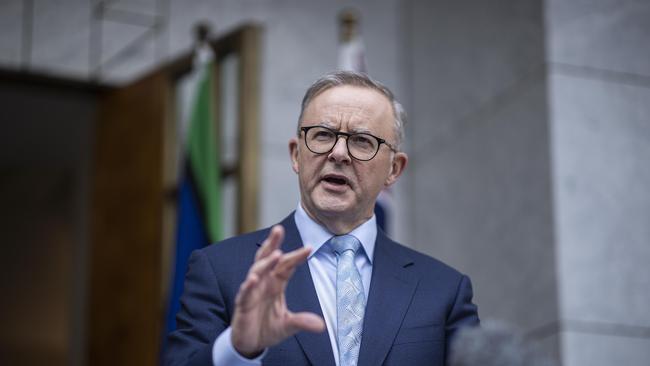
481,183
529,172
599,98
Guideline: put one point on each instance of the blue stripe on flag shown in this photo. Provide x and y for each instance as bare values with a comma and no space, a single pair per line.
190,236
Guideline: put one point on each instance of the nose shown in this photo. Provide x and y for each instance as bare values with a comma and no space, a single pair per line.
340,153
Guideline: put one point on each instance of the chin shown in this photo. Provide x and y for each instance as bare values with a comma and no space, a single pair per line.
335,206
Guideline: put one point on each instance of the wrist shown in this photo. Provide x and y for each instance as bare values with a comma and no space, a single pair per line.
243,350
249,355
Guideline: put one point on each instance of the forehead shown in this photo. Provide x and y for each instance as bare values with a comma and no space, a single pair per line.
350,107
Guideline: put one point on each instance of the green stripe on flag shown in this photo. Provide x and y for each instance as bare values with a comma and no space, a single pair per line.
202,147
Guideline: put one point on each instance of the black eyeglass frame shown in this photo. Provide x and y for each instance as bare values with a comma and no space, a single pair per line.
347,135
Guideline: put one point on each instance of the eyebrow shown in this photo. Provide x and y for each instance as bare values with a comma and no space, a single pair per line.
353,130
361,130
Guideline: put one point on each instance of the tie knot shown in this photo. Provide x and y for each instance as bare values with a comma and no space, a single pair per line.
342,243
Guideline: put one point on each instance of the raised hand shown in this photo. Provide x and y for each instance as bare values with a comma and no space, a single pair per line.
261,317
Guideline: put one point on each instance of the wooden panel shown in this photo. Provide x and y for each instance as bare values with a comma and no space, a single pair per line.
124,306
249,129
38,227
133,203
43,209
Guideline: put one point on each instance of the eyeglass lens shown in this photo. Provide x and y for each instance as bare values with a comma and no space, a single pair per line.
360,145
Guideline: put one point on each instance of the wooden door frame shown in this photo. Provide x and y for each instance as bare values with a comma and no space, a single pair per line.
134,199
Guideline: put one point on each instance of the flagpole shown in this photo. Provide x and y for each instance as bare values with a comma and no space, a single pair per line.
351,50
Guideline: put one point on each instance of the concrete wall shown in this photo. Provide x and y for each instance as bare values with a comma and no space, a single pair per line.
529,164
480,178
599,93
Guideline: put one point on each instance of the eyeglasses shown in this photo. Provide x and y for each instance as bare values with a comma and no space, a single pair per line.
361,146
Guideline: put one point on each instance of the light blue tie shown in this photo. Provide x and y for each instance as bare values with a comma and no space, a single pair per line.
350,299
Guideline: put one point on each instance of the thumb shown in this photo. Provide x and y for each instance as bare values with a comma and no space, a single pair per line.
305,321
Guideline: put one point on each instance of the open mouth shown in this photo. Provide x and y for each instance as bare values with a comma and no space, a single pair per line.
338,180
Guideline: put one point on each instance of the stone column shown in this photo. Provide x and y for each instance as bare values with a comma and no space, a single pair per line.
598,56
480,173
530,147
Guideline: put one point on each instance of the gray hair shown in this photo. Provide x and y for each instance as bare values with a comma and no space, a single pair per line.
339,78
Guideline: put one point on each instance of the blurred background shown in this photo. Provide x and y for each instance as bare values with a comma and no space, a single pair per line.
528,137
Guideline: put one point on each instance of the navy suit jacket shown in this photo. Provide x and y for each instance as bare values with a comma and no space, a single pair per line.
415,305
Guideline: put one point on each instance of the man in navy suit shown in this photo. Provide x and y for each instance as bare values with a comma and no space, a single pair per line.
326,286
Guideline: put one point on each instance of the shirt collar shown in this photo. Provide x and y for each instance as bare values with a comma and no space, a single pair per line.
315,236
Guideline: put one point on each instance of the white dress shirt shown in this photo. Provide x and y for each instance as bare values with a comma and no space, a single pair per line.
322,266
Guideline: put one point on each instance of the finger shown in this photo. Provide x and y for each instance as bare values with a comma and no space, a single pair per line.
271,243
246,292
305,321
263,266
257,271
289,261
265,260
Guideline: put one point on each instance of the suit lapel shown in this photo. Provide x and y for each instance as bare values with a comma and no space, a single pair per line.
391,290
301,296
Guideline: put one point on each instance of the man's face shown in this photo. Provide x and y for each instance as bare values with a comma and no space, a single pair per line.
335,186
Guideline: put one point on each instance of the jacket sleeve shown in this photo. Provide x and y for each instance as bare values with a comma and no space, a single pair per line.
463,313
201,318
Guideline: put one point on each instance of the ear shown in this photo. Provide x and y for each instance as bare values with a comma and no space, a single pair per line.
293,153
400,160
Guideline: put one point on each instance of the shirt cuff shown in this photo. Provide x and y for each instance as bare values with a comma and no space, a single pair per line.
224,353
